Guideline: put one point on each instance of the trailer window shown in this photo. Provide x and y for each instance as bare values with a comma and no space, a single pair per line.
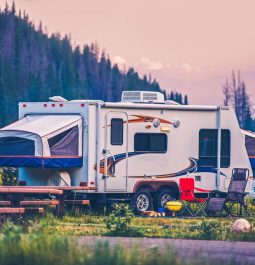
116,131
208,148
150,142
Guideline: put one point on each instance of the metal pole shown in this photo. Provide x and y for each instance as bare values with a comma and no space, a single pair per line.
98,121
217,183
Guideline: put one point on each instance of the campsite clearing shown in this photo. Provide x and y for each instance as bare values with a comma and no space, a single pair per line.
190,228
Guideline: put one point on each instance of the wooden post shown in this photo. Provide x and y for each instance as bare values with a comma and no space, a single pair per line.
61,206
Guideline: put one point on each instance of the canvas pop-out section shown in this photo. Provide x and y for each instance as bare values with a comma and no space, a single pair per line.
250,146
50,141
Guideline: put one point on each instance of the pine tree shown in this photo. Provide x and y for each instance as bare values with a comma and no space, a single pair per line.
235,94
35,66
186,102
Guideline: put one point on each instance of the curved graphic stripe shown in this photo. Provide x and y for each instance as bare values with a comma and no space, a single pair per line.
142,118
192,168
117,158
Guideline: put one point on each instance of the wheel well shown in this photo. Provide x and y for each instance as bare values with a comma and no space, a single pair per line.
145,188
155,186
174,188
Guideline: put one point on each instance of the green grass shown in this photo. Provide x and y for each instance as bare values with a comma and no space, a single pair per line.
189,228
93,225
90,224
209,228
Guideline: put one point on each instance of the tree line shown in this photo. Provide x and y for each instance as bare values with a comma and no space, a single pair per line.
35,66
177,97
235,95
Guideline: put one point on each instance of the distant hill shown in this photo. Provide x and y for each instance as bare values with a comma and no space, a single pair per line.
35,66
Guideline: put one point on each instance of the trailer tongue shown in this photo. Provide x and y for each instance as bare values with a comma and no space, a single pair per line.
42,141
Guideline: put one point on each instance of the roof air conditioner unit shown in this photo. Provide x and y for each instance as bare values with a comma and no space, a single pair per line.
142,96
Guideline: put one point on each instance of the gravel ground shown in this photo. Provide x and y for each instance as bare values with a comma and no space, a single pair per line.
221,251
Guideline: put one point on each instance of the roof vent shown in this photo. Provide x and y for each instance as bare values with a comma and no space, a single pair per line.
142,96
57,99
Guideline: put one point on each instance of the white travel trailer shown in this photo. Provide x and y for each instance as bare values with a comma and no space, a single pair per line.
136,149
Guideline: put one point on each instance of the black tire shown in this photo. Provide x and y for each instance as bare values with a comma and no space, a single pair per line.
162,196
142,201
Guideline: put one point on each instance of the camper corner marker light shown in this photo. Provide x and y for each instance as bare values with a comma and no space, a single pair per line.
156,123
176,123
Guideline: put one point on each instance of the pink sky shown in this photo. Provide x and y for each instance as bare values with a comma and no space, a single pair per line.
189,46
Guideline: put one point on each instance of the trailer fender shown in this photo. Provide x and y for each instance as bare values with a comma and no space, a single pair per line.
155,185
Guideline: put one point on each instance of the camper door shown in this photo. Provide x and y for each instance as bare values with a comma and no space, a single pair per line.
116,151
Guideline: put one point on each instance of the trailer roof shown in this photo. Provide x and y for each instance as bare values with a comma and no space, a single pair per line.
249,133
131,105
42,124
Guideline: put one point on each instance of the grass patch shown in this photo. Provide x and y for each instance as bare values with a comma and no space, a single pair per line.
194,228
122,222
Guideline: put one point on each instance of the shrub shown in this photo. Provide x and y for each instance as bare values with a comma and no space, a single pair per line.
118,222
209,229
9,176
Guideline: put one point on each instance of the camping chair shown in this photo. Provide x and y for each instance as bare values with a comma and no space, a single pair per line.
235,196
187,195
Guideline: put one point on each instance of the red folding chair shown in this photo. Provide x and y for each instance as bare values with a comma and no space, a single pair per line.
187,195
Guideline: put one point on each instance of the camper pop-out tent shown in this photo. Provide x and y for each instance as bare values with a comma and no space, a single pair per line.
50,141
135,149
249,138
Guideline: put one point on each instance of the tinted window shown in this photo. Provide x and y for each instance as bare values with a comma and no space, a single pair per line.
116,132
208,147
16,146
150,142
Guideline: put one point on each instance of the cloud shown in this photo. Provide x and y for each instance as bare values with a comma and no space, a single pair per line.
150,64
186,67
119,60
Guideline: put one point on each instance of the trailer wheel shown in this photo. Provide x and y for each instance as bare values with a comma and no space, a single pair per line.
142,201
163,196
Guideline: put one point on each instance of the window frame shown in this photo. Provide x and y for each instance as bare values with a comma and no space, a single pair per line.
122,132
226,158
150,151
